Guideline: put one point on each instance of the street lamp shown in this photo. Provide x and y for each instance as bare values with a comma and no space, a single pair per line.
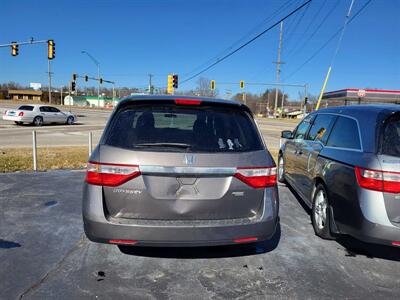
98,70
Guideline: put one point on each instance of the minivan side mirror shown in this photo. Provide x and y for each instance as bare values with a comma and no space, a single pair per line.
286,134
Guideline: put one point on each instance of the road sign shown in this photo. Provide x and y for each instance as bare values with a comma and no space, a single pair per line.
35,85
361,93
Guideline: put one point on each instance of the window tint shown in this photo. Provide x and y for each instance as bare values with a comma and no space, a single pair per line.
345,134
202,129
391,137
53,109
44,109
26,107
319,130
302,130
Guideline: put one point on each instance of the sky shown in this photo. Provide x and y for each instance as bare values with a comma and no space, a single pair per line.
132,38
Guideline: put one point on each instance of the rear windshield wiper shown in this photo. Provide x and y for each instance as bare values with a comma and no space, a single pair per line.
171,145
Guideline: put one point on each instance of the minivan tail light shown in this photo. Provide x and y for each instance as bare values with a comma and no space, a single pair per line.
187,101
21,114
110,174
376,180
257,177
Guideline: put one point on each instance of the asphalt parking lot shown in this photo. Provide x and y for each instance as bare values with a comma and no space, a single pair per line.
45,255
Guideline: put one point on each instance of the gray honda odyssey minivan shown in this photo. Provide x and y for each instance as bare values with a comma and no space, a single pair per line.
344,162
180,171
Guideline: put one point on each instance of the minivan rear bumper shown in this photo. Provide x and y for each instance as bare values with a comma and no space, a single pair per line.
373,224
100,229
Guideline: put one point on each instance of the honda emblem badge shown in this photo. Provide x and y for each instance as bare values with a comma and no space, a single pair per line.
189,159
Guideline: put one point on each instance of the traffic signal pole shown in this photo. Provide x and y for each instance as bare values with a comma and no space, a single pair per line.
49,73
30,42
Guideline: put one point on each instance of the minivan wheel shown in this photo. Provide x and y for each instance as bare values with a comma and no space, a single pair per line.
38,121
70,120
281,170
320,213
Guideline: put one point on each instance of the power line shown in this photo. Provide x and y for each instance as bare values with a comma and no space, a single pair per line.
296,22
316,29
328,41
281,8
247,43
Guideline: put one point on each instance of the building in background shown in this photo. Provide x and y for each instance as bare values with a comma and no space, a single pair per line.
361,96
91,101
21,95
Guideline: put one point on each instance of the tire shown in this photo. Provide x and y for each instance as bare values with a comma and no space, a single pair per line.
38,121
320,216
70,120
18,122
281,169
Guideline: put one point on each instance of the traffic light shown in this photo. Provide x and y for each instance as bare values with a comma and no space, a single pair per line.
175,81
73,87
305,100
51,49
212,84
86,78
242,84
74,76
14,49
170,89
101,80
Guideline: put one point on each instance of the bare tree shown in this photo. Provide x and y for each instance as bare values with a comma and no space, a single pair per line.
203,88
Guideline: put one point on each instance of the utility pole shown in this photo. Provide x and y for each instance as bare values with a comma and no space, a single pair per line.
150,86
278,67
49,72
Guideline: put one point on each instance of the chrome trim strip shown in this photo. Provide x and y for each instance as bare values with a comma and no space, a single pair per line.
186,170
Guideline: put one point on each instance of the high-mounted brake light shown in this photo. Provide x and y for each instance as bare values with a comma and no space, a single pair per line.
110,174
382,181
257,177
187,101
21,114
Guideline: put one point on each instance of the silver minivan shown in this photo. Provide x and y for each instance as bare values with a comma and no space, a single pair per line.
344,162
180,171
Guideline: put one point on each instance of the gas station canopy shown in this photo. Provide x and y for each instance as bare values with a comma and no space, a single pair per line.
363,96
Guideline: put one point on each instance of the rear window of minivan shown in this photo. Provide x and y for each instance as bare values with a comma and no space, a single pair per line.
26,107
194,129
391,136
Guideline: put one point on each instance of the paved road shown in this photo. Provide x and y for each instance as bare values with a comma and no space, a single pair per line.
12,135
44,255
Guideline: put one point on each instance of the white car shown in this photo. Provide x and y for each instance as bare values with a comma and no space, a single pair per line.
39,115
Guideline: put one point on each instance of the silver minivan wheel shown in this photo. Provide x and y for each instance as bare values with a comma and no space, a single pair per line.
320,215
38,121
320,209
281,169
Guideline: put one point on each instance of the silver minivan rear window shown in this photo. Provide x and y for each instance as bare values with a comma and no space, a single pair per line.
391,136
189,129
